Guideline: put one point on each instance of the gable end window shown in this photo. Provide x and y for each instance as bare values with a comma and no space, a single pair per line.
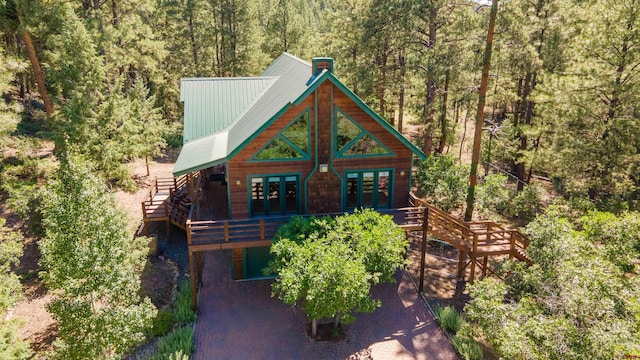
292,143
351,140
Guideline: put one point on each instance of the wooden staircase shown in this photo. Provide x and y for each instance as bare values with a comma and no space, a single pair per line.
476,241
169,200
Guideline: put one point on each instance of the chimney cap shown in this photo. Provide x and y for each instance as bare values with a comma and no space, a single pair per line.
322,63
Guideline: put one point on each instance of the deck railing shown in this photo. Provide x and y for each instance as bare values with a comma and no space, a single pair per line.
477,238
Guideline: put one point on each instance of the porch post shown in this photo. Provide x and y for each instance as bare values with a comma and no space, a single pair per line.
192,271
423,250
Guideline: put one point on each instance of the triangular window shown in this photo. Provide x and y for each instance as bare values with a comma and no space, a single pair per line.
290,144
353,141
366,145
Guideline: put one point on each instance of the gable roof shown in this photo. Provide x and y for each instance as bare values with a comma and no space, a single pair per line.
213,134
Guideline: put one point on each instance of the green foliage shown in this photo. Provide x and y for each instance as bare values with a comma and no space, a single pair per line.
527,203
493,195
10,252
329,267
373,237
325,279
11,346
21,180
162,323
177,345
573,303
449,319
468,348
182,312
619,236
92,266
444,181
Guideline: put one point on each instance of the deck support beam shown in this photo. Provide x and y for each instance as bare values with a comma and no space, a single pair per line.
192,273
461,265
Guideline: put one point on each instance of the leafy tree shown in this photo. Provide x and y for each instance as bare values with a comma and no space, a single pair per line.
92,266
592,105
284,28
493,194
325,279
573,303
328,265
375,238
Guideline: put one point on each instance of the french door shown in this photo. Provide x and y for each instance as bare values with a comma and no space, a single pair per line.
368,188
274,195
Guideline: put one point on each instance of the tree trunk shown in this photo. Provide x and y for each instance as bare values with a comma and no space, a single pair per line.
431,86
477,136
35,65
403,71
443,115
192,38
314,327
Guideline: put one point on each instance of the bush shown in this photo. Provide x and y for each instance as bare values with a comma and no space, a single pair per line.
182,311
493,195
468,348
527,203
178,344
162,323
449,318
443,181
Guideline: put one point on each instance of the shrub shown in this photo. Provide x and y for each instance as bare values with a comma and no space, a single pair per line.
449,318
182,311
493,195
162,323
443,181
527,203
468,348
178,344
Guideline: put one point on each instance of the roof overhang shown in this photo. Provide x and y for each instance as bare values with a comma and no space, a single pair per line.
202,153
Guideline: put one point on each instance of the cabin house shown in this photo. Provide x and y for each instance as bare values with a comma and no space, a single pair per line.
293,140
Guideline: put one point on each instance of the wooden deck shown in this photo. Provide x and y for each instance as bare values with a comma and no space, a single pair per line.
206,222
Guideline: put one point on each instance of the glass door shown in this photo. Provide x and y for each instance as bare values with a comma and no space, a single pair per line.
367,189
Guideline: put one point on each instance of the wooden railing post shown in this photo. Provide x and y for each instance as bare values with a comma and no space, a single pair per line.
261,229
512,243
226,231
474,251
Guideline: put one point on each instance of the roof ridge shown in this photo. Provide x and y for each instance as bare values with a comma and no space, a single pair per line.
230,78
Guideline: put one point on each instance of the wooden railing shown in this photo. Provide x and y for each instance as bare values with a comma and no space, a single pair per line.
167,199
232,234
476,238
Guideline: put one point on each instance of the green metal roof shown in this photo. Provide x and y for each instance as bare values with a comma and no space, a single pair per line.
203,114
222,115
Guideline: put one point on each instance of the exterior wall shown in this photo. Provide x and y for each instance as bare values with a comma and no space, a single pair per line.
400,162
320,192
323,188
240,168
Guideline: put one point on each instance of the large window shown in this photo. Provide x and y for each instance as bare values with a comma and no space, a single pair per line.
368,189
351,140
274,195
292,143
